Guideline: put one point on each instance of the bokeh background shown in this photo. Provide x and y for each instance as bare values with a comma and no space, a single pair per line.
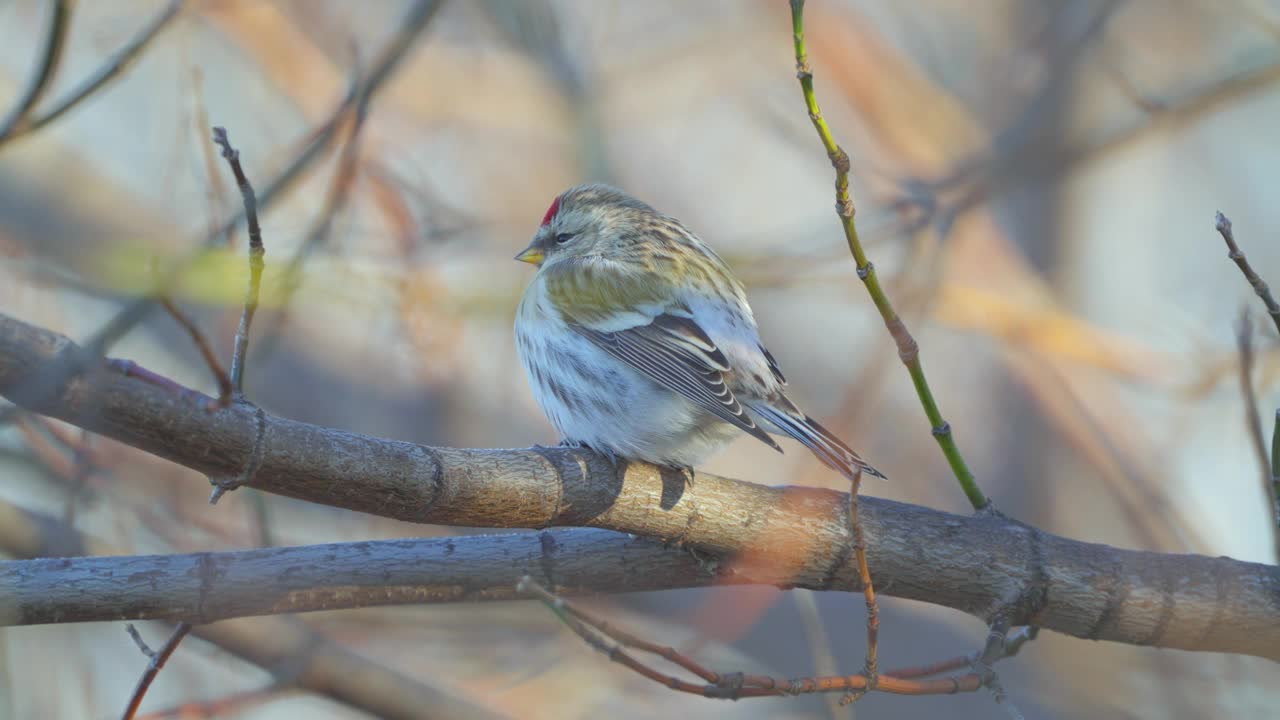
1037,181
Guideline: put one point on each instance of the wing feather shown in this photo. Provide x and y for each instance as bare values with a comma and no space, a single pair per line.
680,367
636,316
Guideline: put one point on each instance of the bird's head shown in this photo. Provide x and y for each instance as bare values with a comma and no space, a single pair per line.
593,221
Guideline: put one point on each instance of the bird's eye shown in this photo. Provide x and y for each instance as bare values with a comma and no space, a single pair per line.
563,238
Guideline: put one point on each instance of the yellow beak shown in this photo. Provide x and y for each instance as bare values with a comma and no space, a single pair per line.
531,255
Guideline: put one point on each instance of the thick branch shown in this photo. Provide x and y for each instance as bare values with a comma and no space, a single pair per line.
206,587
288,649
787,536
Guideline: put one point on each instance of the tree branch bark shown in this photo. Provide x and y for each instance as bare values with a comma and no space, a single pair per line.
206,587
784,536
282,646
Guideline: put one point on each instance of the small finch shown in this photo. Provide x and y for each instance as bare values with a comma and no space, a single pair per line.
639,343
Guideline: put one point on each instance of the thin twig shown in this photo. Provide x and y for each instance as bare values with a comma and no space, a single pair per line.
1275,464
206,352
871,667
82,468
728,686
997,648
241,345
908,349
114,66
158,659
227,706
256,263
1013,643
65,459
45,70
1253,422
131,369
824,663
360,90
1223,225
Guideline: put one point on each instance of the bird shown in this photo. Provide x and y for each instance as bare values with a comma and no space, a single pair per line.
638,341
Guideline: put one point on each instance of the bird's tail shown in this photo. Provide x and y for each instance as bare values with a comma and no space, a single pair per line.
821,442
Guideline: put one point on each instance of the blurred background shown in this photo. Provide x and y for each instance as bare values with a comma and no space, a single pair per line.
1035,179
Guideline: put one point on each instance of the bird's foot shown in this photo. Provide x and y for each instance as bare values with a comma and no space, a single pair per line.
608,454
687,472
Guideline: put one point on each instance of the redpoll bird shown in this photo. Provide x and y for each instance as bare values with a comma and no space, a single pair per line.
639,343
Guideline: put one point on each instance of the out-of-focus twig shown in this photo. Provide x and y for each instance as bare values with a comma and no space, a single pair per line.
1223,225
615,643
908,349
1012,141
1253,423
157,660
64,458
335,200
360,90
82,469
44,72
111,69
217,195
824,663
227,706
206,352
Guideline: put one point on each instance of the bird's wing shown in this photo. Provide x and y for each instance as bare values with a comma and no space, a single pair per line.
635,317
773,366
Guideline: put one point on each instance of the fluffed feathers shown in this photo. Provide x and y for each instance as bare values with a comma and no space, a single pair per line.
638,340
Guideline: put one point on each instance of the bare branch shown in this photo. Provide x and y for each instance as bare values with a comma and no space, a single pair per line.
967,563
206,352
361,90
158,659
256,263
1223,226
615,643
283,646
42,75
114,66
206,587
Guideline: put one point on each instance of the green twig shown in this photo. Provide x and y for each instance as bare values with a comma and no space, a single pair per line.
908,349
1275,470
